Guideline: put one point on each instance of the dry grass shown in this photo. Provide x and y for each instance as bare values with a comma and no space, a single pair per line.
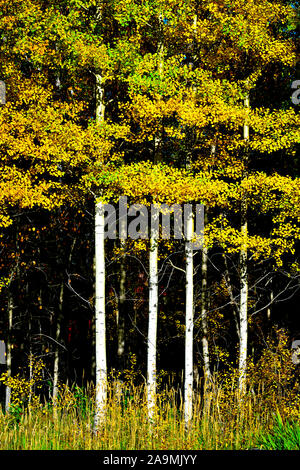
220,422
222,418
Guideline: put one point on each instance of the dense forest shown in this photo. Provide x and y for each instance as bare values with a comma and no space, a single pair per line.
165,102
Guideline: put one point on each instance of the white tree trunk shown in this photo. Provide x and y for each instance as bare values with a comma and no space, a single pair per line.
121,317
100,327
152,326
269,309
205,349
243,314
57,338
244,278
189,325
100,106
189,302
101,365
8,350
122,299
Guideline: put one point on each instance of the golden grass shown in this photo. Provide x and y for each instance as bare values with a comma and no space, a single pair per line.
222,418
220,421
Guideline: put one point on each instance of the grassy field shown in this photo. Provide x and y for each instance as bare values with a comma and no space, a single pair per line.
222,420
267,416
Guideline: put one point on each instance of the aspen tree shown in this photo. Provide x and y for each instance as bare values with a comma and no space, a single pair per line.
205,348
100,323
244,274
152,325
153,263
189,322
57,338
9,349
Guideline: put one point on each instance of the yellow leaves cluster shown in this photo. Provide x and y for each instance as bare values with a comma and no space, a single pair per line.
274,130
163,184
22,388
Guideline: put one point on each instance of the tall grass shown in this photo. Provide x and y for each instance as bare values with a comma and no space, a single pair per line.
283,436
266,417
220,422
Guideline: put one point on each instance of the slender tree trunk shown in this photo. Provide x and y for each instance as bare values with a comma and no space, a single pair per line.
189,302
93,330
121,318
9,349
57,339
205,348
101,365
243,312
122,299
100,106
189,325
244,277
153,256
152,325
100,327
269,309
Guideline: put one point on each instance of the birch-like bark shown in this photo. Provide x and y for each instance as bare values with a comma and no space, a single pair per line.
152,325
269,309
244,276
101,365
189,305
121,317
9,349
100,105
205,348
189,324
57,338
100,326
122,299
93,331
